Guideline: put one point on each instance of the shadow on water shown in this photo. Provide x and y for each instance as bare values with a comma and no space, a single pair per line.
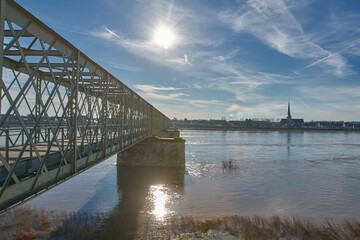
288,138
134,186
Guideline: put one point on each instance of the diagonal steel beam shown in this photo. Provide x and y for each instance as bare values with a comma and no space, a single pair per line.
16,35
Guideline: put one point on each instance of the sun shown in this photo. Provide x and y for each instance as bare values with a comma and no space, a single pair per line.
164,36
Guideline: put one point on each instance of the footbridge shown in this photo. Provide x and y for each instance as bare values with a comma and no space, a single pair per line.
61,112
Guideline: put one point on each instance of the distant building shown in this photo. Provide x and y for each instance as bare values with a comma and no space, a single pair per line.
291,122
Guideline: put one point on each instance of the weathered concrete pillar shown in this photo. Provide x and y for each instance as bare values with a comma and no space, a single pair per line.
169,133
156,152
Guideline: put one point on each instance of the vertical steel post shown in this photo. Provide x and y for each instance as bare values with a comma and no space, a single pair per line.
151,121
74,113
48,136
89,120
62,138
131,117
37,111
105,113
31,150
7,140
2,33
122,108
127,119
76,109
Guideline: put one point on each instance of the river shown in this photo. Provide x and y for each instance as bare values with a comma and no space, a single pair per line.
309,174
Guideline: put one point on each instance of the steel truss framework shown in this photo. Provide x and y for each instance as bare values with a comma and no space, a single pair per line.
61,112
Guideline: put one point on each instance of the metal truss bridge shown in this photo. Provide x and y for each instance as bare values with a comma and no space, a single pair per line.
61,112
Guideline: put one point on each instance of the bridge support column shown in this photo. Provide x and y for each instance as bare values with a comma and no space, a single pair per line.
165,150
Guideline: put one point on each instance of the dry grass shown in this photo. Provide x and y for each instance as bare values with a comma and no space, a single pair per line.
251,228
77,226
31,234
24,223
28,223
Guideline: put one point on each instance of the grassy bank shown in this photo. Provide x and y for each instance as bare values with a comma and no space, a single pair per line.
27,223
251,228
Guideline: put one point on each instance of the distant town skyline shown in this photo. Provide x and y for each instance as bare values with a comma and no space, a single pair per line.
214,59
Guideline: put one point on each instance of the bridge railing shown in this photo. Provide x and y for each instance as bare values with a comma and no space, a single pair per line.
60,111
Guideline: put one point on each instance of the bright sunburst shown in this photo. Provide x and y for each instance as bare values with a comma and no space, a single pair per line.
164,37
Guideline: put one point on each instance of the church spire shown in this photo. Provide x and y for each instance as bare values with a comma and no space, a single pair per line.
289,115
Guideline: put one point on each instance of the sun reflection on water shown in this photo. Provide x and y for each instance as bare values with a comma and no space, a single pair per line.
159,196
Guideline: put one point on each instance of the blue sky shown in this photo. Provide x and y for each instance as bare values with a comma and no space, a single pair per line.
244,59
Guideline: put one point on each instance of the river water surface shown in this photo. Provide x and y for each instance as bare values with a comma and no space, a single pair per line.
309,174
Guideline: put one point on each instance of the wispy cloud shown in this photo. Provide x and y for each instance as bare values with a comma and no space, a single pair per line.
205,103
181,61
152,88
228,56
171,96
161,93
132,45
111,32
182,111
251,111
331,102
329,56
126,67
234,108
186,60
171,5
331,94
240,80
273,23
302,102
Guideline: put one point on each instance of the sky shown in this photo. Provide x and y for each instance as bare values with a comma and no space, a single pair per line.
233,59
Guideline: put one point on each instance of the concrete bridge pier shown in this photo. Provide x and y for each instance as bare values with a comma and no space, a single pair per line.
164,149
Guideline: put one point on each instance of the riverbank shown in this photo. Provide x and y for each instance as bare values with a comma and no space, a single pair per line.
26,223
30,223
268,129
248,228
